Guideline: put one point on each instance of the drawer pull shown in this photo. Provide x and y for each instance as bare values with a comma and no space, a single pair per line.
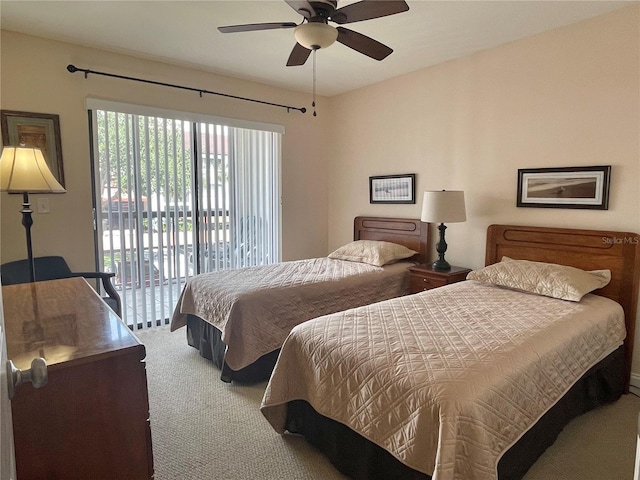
37,375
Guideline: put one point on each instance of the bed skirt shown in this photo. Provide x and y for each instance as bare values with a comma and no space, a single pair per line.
358,458
207,340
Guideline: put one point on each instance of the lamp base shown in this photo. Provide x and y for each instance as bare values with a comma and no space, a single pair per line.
27,221
441,265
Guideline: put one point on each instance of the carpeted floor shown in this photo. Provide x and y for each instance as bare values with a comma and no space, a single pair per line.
203,428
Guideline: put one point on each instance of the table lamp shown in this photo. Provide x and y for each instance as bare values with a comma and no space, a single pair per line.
445,206
24,170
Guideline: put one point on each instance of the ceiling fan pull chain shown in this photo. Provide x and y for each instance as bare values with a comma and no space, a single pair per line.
313,104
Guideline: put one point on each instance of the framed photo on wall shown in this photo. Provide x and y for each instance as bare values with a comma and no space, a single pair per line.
564,187
39,130
393,188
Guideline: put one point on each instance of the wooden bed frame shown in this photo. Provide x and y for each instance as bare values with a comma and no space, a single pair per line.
619,252
411,233
585,249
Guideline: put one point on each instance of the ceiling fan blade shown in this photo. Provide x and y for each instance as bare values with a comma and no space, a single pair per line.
363,44
303,7
250,27
366,10
298,56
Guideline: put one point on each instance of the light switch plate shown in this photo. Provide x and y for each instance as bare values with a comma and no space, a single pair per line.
43,205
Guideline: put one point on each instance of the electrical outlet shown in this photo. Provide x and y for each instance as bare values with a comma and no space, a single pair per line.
43,205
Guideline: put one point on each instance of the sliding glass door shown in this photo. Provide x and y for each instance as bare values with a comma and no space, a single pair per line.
177,196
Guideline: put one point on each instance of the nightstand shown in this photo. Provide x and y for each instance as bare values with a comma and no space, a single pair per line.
424,277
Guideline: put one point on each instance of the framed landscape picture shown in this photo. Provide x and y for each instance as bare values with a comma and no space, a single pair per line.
564,187
392,188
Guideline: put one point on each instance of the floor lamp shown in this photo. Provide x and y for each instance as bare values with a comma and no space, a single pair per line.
445,206
24,170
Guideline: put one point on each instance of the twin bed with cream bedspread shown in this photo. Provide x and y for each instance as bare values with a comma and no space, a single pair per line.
445,380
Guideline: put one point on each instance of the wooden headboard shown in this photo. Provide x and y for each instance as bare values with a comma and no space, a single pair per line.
411,233
585,249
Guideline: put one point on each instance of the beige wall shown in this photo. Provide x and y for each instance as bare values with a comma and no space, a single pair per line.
33,78
569,97
562,98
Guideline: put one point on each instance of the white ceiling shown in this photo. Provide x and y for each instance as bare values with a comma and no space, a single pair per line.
185,33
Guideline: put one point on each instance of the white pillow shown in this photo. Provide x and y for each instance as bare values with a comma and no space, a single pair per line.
549,279
374,252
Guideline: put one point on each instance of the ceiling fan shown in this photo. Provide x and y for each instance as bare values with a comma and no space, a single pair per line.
314,32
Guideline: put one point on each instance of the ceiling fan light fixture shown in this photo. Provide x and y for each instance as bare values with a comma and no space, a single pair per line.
315,35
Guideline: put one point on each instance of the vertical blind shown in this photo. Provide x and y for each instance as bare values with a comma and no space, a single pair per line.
179,195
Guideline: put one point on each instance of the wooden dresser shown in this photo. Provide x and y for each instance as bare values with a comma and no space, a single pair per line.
91,419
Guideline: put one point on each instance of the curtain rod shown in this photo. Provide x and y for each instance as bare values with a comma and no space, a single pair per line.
73,69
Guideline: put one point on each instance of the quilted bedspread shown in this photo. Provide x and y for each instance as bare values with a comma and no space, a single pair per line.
445,380
255,308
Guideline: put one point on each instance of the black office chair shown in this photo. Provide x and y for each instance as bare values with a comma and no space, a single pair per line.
54,268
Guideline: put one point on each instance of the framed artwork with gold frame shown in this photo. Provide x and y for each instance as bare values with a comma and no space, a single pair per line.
39,130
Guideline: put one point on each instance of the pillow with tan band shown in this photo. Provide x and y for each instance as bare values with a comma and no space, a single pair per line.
549,279
373,252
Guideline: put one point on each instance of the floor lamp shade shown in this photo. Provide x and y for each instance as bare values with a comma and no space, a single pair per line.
444,206
24,170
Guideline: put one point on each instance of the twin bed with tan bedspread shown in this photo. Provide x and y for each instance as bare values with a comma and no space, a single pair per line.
240,318
472,380
256,308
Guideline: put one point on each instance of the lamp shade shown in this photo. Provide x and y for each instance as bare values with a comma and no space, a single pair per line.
444,206
315,35
24,170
